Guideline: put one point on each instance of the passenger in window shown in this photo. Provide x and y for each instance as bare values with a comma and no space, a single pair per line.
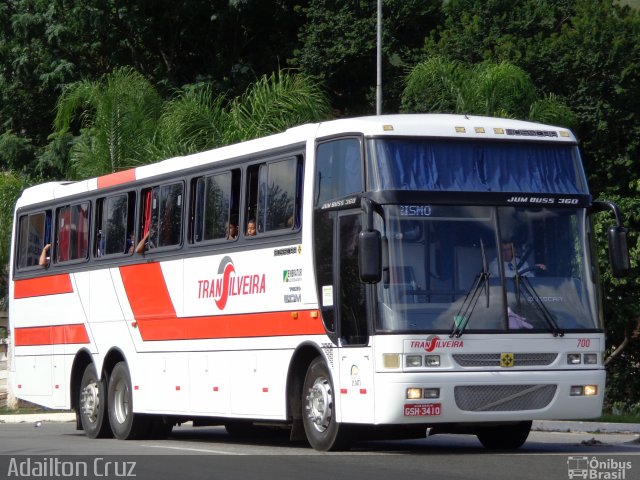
251,228
45,258
130,245
144,243
232,231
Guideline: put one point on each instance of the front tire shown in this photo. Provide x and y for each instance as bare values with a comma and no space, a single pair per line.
504,437
125,424
318,410
92,404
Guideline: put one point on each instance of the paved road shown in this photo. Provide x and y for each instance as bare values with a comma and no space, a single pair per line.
212,454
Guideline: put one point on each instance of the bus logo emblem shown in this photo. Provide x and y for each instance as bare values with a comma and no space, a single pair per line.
507,360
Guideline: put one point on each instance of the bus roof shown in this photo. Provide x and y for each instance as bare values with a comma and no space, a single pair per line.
419,125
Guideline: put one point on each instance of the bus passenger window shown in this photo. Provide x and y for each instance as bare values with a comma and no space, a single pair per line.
72,232
161,222
114,225
34,233
216,206
274,195
338,169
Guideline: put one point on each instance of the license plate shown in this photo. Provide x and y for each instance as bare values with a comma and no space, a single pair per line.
422,410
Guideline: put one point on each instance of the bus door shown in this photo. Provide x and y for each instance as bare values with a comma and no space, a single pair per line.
344,309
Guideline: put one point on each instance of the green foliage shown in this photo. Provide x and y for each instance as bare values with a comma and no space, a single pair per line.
11,185
118,117
490,89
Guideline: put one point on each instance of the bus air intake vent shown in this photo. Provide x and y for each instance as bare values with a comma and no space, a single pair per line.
493,359
503,398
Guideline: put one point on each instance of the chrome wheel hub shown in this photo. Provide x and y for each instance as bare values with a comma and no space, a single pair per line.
319,405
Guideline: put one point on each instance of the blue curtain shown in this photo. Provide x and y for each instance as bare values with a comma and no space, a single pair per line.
477,167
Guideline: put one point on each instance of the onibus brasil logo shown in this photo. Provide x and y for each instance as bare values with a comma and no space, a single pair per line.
227,283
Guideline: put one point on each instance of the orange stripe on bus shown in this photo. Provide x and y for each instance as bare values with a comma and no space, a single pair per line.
117,178
39,286
51,335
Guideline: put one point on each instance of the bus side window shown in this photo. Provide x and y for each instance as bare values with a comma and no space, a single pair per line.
72,232
161,220
338,169
114,225
34,232
216,206
274,195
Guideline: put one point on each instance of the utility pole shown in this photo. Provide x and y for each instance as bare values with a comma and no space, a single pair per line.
379,62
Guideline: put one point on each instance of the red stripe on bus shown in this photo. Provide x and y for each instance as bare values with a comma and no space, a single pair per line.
271,324
39,286
51,335
157,320
147,291
117,178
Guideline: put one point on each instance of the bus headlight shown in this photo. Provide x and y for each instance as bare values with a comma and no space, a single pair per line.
574,358
590,358
414,393
432,360
413,361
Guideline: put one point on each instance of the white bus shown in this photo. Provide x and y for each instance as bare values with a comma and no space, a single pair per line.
346,280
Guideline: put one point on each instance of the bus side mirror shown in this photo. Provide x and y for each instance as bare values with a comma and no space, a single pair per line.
370,256
618,251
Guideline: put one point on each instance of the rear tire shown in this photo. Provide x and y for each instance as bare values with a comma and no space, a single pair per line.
92,404
125,424
318,410
504,437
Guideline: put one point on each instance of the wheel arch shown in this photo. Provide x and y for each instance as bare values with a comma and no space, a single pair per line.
298,366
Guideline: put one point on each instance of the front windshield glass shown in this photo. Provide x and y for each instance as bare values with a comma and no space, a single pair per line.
479,268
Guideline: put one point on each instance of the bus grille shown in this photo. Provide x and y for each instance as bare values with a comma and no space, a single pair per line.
503,398
493,359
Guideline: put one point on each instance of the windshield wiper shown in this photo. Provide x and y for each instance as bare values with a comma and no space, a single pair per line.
530,292
461,319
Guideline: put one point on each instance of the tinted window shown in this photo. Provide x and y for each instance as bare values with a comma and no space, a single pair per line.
72,232
338,169
33,234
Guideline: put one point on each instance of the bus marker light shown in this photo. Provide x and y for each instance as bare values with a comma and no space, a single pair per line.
363,391
479,129
391,360
414,393
498,131
314,314
461,130
294,315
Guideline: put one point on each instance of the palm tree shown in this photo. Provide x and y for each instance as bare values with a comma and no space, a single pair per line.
118,117
196,119
123,122
491,89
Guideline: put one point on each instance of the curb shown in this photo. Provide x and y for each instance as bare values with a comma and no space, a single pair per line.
585,427
38,417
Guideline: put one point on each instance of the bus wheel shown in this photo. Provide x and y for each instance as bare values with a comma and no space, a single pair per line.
125,424
92,403
318,410
504,437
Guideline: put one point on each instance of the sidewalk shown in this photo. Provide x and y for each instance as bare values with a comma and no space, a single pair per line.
538,425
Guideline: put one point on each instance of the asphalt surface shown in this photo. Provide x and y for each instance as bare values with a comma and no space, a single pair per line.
538,425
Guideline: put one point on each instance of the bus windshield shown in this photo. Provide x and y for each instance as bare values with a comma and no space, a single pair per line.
483,268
